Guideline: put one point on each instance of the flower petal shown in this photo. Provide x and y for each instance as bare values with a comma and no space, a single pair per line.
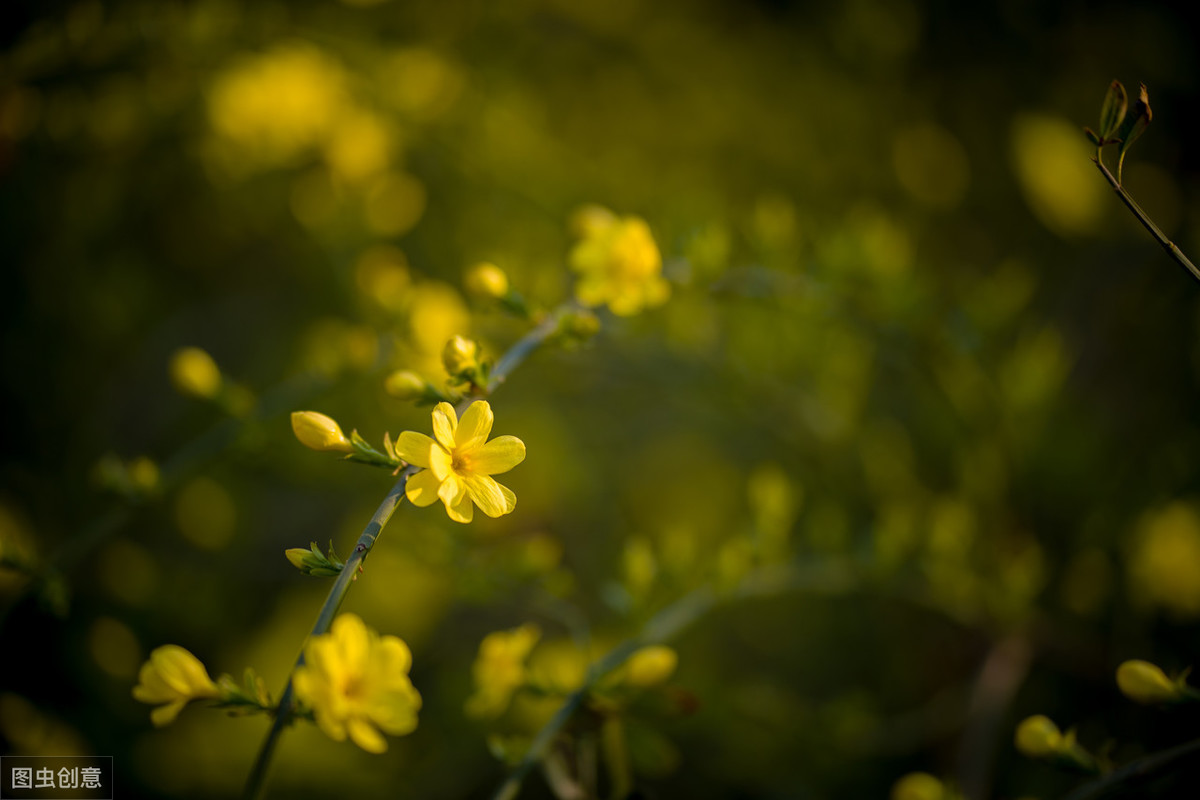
486,494
499,455
464,511
414,448
422,488
452,490
475,425
444,423
510,499
165,715
441,463
364,734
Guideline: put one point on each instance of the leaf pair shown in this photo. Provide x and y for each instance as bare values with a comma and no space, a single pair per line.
1119,124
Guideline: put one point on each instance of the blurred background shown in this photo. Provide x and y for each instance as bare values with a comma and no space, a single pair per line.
916,350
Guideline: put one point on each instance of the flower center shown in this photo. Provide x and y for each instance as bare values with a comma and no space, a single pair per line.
460,463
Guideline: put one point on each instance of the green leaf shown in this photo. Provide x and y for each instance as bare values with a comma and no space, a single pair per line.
1133,126
1112,111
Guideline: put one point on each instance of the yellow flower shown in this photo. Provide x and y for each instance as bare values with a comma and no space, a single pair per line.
194,372
1145,683
499,669
319,432
457,464
619,266
172,676
1039,737
650,666
356,682
486,280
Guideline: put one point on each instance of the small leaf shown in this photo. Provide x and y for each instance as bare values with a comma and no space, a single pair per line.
1092,137
1112,112
1133,126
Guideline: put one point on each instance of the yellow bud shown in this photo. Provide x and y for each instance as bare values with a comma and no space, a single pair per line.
486,280
1038,737
319,432
194,372
297,556
460,355
651,666
404,384
918,786
1143,682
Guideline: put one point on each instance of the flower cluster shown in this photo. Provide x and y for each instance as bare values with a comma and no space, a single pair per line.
356,683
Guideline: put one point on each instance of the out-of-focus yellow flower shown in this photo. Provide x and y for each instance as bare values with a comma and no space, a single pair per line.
175,677
1039,737
143,474
499,669
194,372
275,105
1143,682
919,786
404,384
650,666
486,280
356,683
319,432
457,464
460,355
619,265
1164,568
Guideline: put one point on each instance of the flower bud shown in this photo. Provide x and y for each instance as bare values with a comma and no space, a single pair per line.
404,384
1143,682
193,372
299,557
651,666
1039,737
486,280
319,432
460,355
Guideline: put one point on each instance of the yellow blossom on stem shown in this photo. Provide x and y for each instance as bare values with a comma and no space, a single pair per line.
499,669
172,676
458,462
319,432
1146,683
619,265
356,683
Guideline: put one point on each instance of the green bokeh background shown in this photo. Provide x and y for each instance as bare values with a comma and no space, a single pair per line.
913,341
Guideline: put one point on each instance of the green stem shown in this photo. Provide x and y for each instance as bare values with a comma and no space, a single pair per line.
1143,218
341,585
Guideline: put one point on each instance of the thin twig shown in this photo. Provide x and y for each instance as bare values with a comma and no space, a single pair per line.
284,714
1143,218
1136,771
